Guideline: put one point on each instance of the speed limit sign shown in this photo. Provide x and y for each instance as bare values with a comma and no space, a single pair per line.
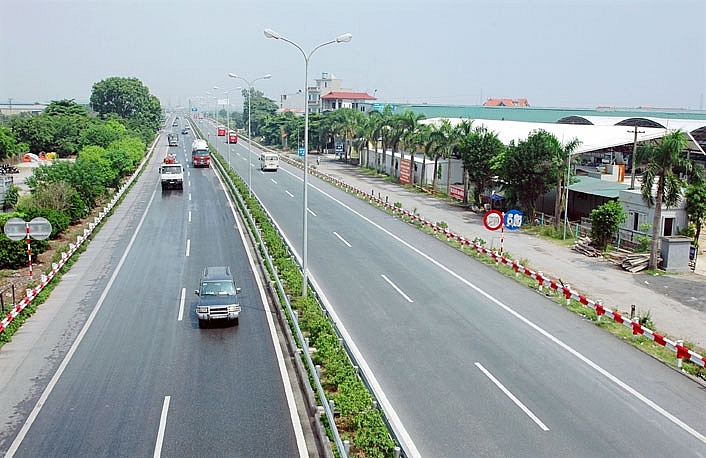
493,220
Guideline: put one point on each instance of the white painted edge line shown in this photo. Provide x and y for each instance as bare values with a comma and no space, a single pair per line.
289,394
512,397
342,239
62,367
181,304
162,427
394,419
384,277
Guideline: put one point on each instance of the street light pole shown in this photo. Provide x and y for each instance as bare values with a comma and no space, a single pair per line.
249,83
269,33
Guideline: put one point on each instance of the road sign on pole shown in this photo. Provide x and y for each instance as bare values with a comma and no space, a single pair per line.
493,220
301,151
17,229
513,219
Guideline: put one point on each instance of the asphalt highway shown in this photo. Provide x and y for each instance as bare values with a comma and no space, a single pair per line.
465,361
141,378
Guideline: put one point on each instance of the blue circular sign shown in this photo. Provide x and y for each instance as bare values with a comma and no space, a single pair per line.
513,219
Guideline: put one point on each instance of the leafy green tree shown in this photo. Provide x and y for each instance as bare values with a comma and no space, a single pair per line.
661,185
260,108
35,131
529,169
8,144
129,99
478,149
605,222
102,133
132,148
65,107
108,175
696,206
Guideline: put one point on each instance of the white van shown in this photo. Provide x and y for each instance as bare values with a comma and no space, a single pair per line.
269,161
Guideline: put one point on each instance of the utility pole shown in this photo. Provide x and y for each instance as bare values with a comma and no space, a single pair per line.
632,158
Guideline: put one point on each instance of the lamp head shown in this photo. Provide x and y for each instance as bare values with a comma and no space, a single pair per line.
266,77
344,38
269,33
232,75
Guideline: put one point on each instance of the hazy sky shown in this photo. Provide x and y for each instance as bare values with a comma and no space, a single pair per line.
555,53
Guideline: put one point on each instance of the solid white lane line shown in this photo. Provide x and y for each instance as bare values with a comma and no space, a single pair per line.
342,239
288,391
162,427
289,194
512,397
384,277
632,391
188,247
62,367
181,304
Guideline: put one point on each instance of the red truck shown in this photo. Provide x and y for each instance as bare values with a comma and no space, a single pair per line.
232,137
221,131
200,155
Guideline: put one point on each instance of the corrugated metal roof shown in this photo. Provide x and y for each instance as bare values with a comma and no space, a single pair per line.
598,187
592,137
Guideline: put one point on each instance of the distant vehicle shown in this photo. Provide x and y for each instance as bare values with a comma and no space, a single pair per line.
218,296
171,175
221,131
200,155
175,123
185,131
232,137
269,161
173,139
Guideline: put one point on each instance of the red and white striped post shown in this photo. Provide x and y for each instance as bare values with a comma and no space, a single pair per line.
29,250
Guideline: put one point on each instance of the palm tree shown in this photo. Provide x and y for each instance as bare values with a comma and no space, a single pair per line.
660,183
564,159
406,125
374,125
344,123
386,134
445,137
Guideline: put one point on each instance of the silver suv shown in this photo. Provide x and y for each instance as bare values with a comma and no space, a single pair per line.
218,296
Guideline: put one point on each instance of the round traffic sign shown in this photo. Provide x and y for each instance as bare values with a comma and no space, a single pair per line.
513,219
493,220
39,228
15,229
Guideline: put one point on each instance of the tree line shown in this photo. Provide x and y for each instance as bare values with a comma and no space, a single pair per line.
96,150
524,169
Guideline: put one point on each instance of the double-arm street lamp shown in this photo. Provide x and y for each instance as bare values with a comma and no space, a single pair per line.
249,83
269,33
